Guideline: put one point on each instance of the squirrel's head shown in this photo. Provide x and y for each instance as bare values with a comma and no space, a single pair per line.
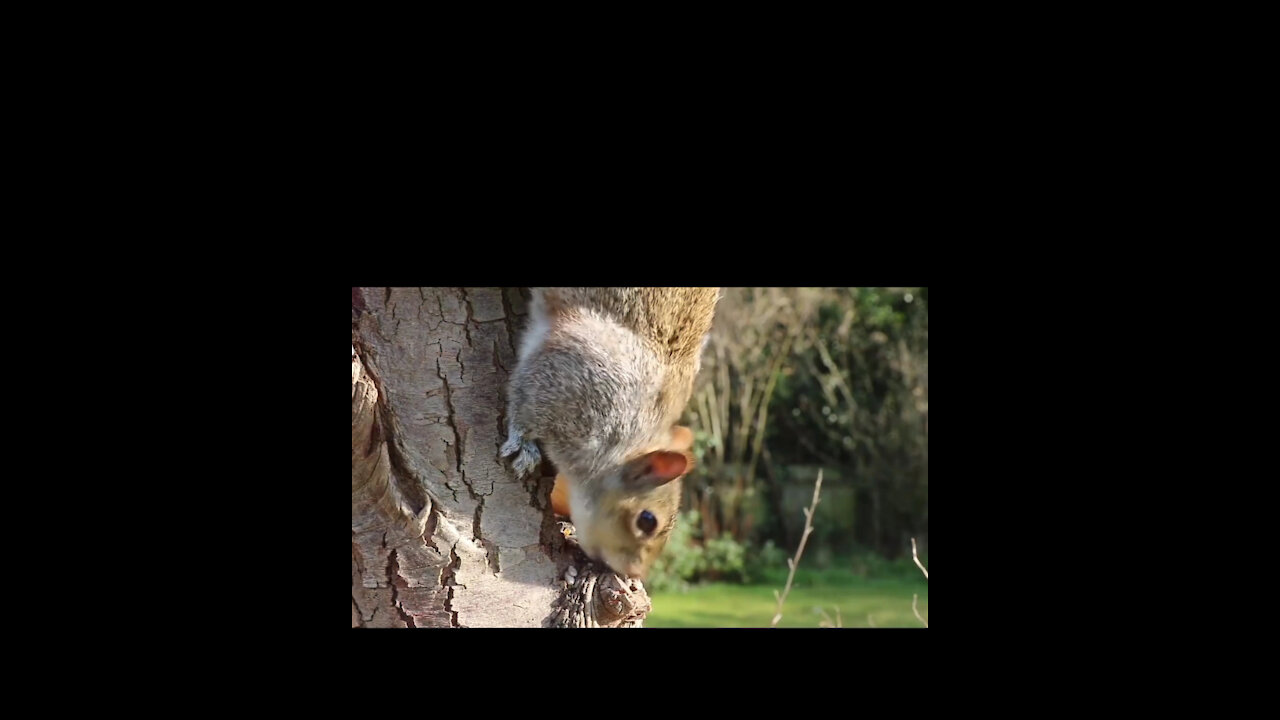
636,510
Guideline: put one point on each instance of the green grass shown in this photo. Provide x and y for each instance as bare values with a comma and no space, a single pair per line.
886,600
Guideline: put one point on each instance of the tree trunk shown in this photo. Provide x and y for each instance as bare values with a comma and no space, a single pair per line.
442,535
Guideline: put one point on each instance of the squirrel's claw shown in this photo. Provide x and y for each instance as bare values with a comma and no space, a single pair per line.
524,454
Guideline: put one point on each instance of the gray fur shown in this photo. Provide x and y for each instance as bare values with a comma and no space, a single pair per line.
603,374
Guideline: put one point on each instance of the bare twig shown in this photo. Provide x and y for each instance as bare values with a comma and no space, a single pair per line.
808,528
826,619
758,439
917,559
836,373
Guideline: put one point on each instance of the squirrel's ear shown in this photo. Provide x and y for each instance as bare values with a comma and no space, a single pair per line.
681,437
658,468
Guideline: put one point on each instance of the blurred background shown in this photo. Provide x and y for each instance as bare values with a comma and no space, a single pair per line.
795,380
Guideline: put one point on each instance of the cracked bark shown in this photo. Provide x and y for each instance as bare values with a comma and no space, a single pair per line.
442,535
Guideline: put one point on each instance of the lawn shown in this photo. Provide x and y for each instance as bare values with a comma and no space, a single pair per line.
886,600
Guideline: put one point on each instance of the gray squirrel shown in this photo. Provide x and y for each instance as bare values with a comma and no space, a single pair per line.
602,376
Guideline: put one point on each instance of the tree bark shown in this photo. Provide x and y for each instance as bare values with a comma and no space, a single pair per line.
442,534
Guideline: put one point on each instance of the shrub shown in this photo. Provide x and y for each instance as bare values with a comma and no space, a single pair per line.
687,559
763,559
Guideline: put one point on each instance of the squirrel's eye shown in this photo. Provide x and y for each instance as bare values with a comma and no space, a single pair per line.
646,522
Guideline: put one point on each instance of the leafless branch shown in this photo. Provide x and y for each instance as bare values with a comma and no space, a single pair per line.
836,374
808,528
775,372
826,619
917,559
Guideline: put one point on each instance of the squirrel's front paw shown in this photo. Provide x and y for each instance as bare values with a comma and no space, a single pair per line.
524,454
